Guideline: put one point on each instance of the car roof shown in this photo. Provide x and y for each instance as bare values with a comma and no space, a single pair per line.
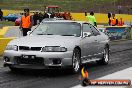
61,20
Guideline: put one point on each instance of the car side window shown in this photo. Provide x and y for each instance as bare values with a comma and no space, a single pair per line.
87,28
94,30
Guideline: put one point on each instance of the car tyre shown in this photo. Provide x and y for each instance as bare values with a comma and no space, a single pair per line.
6,19
76,61
13,69
105,58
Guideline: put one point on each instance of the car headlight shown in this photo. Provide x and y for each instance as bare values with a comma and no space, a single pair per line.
54,49
12,47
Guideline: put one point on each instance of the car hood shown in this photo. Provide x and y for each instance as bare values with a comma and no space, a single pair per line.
46,40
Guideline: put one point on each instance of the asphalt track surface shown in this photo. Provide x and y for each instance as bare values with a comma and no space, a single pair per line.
120,58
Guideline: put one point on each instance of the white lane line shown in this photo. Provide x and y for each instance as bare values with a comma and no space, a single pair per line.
123,74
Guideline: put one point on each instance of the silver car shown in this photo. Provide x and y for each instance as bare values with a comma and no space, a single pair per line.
58,44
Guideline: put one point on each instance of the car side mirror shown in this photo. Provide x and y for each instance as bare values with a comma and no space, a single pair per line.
29,32
86,34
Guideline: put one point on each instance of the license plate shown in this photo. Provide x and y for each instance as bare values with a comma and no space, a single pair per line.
29,56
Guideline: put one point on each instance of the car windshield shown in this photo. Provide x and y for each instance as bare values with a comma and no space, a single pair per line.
10,15
58,28
14,15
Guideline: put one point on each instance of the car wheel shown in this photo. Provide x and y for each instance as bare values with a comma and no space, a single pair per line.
76,61
13,69
105,58
6,19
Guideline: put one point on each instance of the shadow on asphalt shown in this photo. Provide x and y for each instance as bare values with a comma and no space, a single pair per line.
49,72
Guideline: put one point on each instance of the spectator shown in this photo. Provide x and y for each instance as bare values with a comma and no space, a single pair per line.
120,22
85,12
41,17
109,17
1,15
91,19
46,15
114,20
35,18
26,22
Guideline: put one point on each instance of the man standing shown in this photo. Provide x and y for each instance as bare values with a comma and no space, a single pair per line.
26,22
120,22
35,18
91,19
1,15
114,20
109,17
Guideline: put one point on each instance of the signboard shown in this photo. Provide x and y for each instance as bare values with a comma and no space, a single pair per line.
117,33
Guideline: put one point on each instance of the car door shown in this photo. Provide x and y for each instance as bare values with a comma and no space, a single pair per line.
98,44
88,43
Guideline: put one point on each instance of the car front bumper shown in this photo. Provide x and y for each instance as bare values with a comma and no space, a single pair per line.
41,60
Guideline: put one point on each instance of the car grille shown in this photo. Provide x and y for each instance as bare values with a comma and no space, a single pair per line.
29,48
35,61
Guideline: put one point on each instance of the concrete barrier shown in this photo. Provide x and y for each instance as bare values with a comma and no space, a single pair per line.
100,17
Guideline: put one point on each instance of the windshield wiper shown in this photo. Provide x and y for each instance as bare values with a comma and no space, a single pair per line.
49,34
67,35
43,34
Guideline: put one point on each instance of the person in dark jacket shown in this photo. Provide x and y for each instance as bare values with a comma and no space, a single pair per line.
46,15
41,15
109,17
1,15
35,18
